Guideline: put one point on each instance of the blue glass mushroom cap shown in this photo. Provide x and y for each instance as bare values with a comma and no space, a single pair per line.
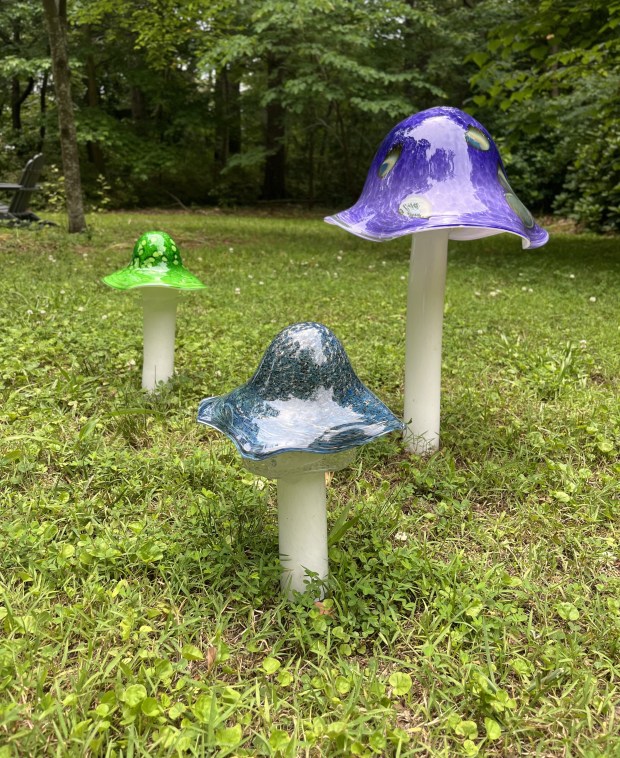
439,169
304,397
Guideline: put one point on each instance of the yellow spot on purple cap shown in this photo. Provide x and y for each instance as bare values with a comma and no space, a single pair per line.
389,161
477,138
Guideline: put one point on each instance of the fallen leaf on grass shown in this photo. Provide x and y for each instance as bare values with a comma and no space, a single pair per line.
210,657
323,609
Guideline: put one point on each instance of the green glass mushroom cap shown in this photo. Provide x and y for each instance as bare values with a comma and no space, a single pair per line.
156,262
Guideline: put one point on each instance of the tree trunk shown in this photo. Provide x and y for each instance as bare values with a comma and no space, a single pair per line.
17,100
234,112
345,151
311,169
16,121
43,110
227,117
138,105
274,184
56,18
95,153
220,153
323,173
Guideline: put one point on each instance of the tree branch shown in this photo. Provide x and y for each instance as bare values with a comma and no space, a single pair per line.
27,91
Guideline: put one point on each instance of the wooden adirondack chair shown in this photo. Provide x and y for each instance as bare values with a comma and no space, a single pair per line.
17,210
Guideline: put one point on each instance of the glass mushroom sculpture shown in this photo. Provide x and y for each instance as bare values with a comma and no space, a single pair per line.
437,176
157,269
304,412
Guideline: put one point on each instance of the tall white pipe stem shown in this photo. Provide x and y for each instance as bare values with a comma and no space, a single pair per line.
425,304
302,524
160,311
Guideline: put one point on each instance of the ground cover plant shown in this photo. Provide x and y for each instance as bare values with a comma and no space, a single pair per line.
474,603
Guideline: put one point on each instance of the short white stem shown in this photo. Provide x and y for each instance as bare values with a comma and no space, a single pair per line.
160,311
425,304
302,524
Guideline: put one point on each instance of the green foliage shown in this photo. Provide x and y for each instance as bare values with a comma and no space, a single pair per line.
51,193
551,71
171,97
346,72
472,594
591,192
23,59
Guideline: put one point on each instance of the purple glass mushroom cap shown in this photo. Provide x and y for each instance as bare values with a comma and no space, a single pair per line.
439,169
304,397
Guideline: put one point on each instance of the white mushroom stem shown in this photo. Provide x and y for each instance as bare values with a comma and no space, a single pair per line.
160,310
302,524
425,305
302,512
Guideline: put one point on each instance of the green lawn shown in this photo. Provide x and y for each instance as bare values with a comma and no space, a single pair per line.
474,600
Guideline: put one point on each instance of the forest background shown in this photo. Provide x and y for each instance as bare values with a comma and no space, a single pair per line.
224,102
